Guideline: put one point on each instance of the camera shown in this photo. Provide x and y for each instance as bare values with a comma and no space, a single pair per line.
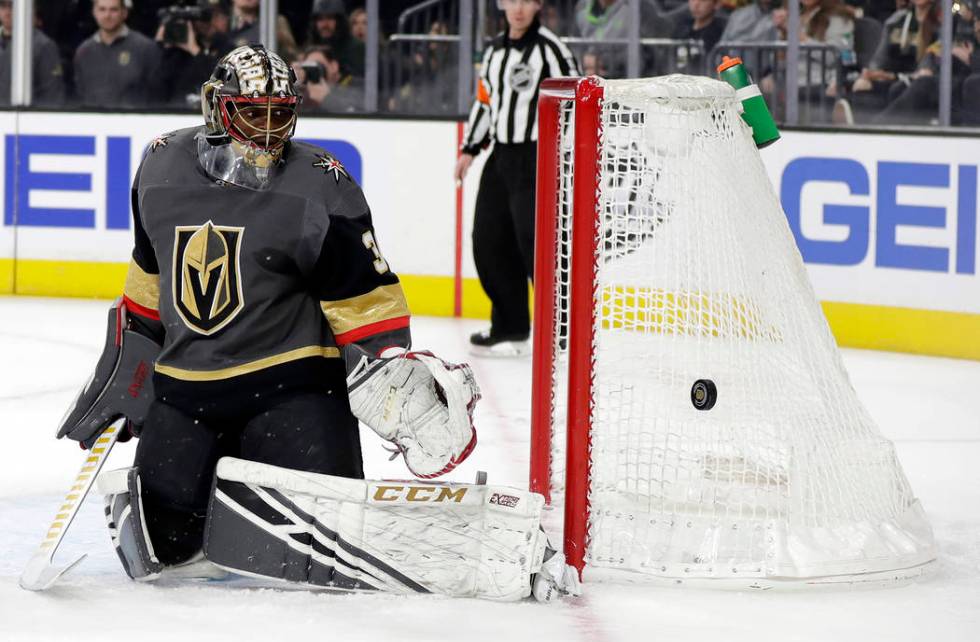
176,20
314,71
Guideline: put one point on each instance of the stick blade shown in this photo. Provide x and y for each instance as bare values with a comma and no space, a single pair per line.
40,573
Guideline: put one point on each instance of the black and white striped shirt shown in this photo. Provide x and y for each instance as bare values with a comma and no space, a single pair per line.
506,105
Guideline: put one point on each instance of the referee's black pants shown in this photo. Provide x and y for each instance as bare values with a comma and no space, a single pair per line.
503,235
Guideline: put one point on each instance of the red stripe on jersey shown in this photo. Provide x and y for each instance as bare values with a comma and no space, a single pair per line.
371,329
132,306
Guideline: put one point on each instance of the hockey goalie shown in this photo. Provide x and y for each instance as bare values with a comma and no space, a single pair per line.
258,290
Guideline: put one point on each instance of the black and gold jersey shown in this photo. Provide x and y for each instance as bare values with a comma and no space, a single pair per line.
242,282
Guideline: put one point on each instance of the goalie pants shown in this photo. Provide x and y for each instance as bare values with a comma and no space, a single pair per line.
503,235
311,430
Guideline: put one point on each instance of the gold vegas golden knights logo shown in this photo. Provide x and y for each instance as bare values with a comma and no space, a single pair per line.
207,281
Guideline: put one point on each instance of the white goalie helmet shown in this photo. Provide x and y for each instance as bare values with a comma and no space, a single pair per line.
250,104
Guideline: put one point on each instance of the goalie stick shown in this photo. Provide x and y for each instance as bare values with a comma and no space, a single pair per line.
41,572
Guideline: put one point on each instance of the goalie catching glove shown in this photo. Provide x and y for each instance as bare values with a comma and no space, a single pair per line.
420,403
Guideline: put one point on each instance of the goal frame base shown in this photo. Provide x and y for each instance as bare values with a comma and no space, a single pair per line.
894,578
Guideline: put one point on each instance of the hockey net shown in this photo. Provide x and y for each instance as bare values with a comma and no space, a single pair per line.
664,258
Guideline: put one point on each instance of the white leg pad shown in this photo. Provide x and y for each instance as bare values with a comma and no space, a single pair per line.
461,540
127,523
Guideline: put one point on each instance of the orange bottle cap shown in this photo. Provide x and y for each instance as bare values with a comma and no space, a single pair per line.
727,63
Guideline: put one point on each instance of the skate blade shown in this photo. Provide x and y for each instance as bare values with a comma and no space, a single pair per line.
503,350
41,574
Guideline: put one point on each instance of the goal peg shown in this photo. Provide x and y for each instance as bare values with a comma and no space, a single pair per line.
755,112
704,393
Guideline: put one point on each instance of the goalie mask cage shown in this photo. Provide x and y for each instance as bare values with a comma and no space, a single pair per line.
664,260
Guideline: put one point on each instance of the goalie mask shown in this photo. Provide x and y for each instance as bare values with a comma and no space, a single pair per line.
249,106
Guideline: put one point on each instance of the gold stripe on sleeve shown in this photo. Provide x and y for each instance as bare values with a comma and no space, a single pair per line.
142,288
380,304
246,368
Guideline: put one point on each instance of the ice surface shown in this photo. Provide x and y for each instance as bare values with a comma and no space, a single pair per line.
930,407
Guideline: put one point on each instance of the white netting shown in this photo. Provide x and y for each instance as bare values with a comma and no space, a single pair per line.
563,257
699,278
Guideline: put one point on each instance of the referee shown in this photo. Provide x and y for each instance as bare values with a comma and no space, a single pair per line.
505,112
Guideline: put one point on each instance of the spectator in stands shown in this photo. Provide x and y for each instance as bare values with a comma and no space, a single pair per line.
702,23
967,110
905,38
327,86
752,23
221,20
189,60
551,17
47,78
915,99
593,65
880,10
244,25
67,24
244,29
358,25
117,66
602,19
827,22
328,26
431,69
610,20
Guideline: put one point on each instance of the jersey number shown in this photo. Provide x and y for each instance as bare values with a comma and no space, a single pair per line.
380,265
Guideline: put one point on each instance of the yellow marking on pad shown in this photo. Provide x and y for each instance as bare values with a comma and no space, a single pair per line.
73,497
61,516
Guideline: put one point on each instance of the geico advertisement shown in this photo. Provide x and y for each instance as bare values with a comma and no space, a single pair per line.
67,178
883,219
879,219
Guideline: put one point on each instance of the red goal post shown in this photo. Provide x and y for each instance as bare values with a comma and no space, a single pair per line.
587,94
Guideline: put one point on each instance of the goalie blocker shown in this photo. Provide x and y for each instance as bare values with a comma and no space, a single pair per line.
120,386
460,540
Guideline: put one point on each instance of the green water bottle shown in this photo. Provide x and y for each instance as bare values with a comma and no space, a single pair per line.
755,112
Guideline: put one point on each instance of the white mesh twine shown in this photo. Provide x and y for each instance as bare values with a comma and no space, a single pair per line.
699,278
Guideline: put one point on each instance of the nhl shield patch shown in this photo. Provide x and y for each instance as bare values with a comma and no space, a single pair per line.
207,283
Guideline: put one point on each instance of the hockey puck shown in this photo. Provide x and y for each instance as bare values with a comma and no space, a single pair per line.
704,394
